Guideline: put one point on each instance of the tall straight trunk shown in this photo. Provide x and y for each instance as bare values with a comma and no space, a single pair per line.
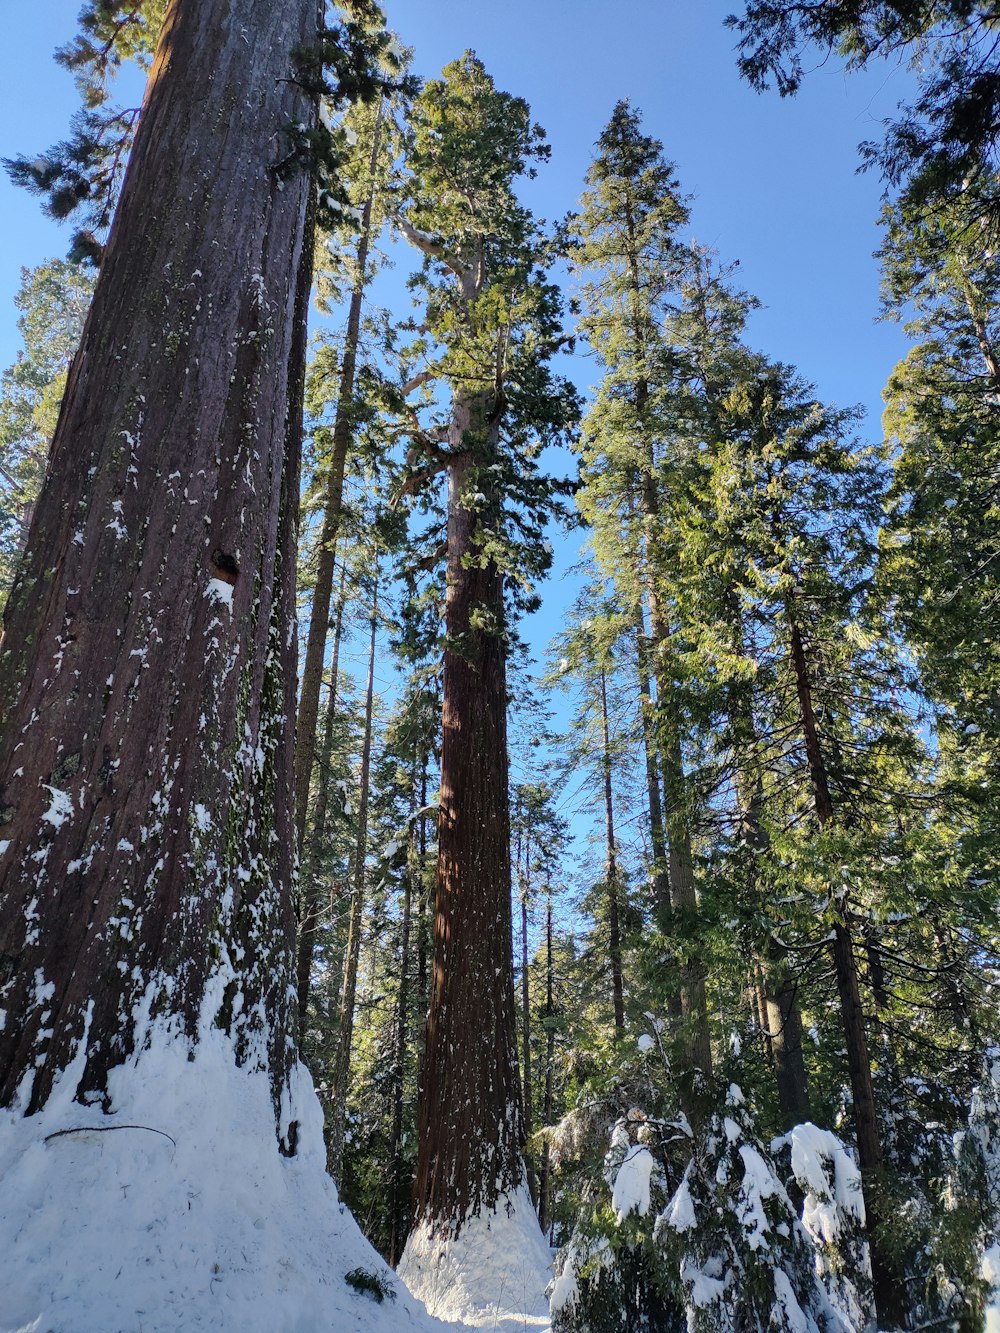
611,865
684,899
348,994
662,909
400,1190
657,834
888,1296
310,895
680,859
470,1127
147,666
548,1104
319,619
422,903
528,1091
780,1015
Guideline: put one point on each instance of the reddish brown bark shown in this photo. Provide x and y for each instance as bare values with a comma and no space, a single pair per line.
470,1124
145,757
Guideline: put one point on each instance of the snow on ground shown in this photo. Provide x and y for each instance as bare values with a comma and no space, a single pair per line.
991,1273
176,1212
493,1275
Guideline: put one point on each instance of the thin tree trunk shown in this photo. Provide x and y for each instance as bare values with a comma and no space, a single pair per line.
660,871
680,860
548,1107
657,834
611,865
778,993
422,903
147,666
348,994
888,1297
400,1191
528,1093
310,895
319,619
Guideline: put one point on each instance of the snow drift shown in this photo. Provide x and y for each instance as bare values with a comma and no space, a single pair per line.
492,1275
176,1211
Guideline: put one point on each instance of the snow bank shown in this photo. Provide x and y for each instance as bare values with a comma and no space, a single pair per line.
493,1275
176,1212
990,1272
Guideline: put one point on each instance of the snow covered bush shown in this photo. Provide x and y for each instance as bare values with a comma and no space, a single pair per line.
833,1215
610,1276
731,1231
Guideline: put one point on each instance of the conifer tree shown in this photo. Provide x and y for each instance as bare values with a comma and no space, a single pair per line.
90,799
627,249
148,685
492,325
53,301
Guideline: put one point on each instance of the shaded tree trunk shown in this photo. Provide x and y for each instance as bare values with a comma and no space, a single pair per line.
348,994
310,893
400,1189
611,865
548,1105
680,860
319,618
889,1298
662,909
147,668
528,1091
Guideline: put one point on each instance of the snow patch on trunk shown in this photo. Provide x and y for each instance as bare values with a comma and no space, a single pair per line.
493,1275
175,1212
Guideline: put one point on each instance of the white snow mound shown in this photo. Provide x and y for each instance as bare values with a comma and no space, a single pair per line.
493,1275
176,1212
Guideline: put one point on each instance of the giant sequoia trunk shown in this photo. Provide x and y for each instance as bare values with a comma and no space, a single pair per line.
470,1126
147,679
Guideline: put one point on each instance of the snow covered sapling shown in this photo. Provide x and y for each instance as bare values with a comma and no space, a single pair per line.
731,1229
611,1276
833,1215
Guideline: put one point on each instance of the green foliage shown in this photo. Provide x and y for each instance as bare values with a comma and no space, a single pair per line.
53,300
490,323
370,1284
80,178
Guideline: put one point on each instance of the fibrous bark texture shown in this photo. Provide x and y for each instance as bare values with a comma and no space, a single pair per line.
470,1125
147,669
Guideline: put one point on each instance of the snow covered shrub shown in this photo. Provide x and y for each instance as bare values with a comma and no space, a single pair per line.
833,1215
969,1240
732,1232
611,1278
